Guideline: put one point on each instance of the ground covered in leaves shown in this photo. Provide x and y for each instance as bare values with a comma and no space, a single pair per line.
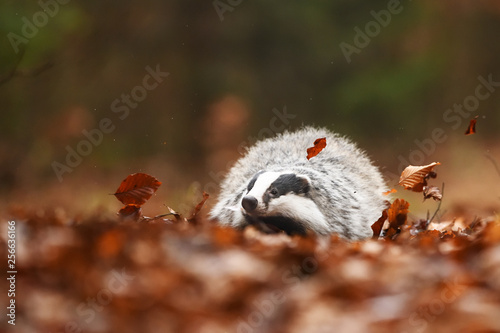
96,275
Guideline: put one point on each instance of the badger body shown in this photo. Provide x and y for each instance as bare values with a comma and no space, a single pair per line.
274,185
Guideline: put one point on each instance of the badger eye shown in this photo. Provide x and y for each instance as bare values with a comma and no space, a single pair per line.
273,192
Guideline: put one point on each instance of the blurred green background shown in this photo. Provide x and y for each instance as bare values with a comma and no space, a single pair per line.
233,67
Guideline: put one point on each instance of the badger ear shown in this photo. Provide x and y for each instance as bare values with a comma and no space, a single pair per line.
305,183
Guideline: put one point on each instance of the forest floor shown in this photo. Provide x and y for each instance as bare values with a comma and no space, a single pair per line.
102,274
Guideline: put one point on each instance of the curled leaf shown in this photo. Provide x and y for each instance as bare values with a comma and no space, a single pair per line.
199,206
415,177
472,126
319,145
377,226
432,192
130,213
397,213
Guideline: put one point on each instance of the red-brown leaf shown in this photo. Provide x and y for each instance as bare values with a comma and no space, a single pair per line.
472,126
319,145
199,206
130,212
137,188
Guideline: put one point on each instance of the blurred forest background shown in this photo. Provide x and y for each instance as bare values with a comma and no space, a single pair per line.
235,68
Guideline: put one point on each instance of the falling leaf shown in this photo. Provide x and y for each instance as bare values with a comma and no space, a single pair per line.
137,188
472,126
415,177
432,192
393,190
319,145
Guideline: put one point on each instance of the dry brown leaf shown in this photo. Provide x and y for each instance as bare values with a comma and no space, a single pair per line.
415,177
130,212
432,192
397,213
319,145
199,206
377,226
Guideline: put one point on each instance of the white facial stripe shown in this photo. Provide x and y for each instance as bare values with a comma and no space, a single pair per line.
301,209
262,184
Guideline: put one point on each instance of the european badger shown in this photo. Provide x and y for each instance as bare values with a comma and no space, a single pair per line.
275,187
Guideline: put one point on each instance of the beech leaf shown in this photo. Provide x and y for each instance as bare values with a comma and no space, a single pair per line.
432,192
396,216
199,206
319,145
136,189
415,177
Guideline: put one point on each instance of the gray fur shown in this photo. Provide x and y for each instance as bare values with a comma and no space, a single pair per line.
345,186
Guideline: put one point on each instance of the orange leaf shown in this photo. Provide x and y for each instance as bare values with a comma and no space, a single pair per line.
319,145
393,190
472,126
415,177
397,213
137,188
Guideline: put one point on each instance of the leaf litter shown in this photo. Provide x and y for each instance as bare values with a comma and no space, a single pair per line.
191,275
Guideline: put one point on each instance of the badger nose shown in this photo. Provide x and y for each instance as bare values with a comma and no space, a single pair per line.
249,203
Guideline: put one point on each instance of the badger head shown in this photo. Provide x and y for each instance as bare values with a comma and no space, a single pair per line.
282,200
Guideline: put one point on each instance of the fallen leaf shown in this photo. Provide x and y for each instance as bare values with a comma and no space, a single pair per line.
472,126
319,145
432,192
199,206
377,226
415,177
397,216
137,188
130,212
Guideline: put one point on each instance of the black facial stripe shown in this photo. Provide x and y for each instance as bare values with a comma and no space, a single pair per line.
253,180
288,183
290,226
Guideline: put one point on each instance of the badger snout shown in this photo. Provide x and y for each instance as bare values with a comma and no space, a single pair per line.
249,203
